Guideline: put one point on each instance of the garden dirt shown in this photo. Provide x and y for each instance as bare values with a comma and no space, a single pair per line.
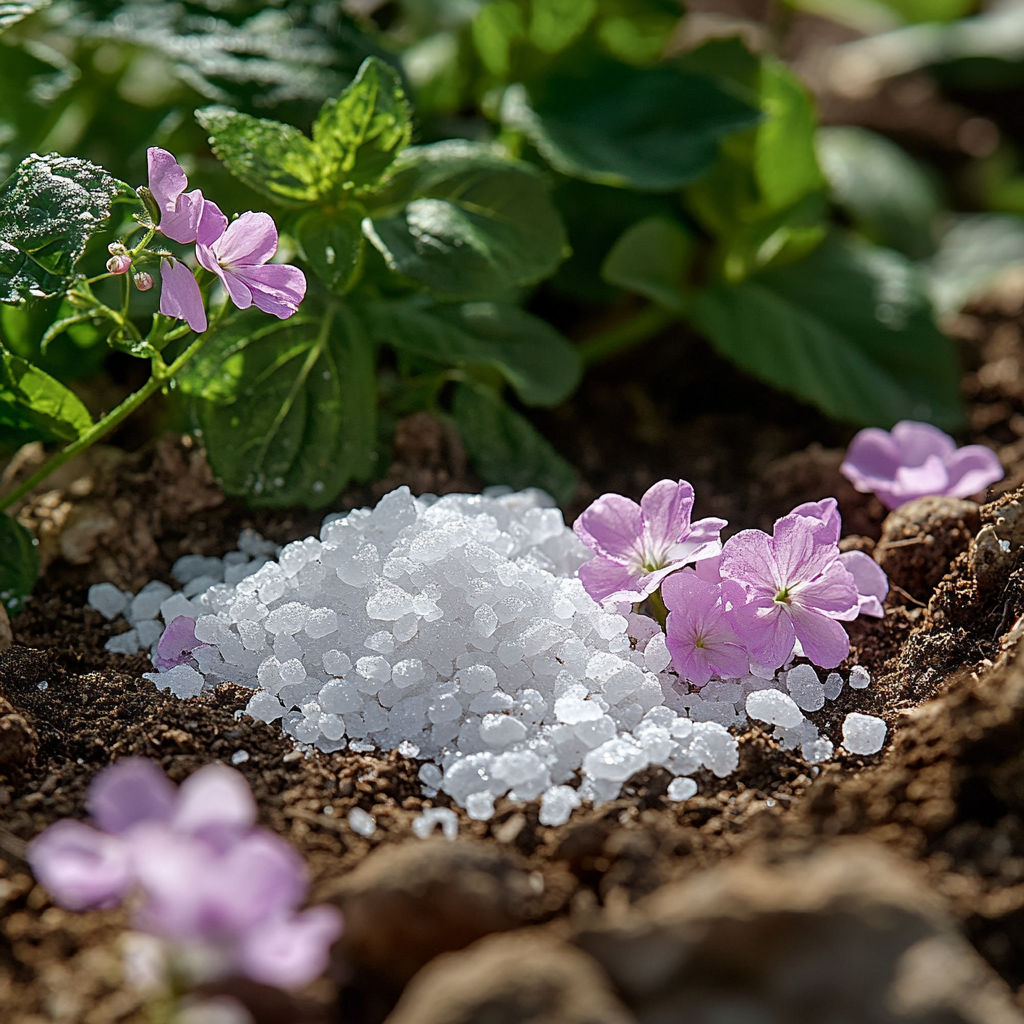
790,848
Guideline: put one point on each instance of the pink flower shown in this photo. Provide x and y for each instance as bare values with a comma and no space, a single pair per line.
119,264
180,296
203,873
917,460
637,546
239,256
180,212
176,644
699,637
788,587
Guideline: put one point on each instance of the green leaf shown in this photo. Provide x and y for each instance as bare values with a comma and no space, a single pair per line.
653,129
554,24
331,241
505,448
884,190
33,402
975,251
532,356
287,410
357,135
495,28
475,224
784,159
13,11
275,159
849,329
652,258
19,564
49,208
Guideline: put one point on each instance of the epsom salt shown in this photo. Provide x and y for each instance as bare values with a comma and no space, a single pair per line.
863,734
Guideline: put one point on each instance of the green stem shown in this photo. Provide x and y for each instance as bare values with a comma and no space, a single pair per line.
160,376
643,325
657,609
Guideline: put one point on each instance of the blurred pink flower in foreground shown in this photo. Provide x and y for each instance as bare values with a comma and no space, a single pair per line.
637,546
916,460
206,878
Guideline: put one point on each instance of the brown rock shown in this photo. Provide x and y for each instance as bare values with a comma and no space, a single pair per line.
921,538
849,927
406,904
526,977
18,740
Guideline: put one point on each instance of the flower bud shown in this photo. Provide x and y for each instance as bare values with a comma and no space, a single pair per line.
143,281
119,264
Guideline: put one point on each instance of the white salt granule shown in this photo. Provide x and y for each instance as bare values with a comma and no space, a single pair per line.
423,825
361,823
817,750
656,656
123,643
557,804
833,685
146,603
773,707
681,788
149,630
108,600
239,757
863,734
859,677
805,688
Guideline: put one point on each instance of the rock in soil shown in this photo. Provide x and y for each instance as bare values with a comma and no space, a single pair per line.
526,977
847,927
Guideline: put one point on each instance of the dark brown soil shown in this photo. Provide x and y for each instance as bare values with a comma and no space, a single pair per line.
946,793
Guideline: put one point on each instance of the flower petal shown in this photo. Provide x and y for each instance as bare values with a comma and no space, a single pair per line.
827,512
176,643
823,639
235,287
803,548
166,178
131,790
665,510
612,526
212,224
873,455
275,289
217,796
930,477
603,579
763,627
250,240
870,579
181,224
917,441
81,867
833,592
289,952
748,558
180,296
971,470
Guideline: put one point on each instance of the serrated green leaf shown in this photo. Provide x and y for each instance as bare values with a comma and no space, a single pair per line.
34,403
653,129
49,208
652,258
886,193
476,224
19,564
505,448
275,159
358,135
13,11
531,355
332,242
849,329
287,409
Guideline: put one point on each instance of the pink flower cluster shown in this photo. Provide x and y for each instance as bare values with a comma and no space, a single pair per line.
743,605
238,253
203,876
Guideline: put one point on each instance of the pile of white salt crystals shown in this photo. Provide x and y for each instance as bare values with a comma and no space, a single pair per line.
455,630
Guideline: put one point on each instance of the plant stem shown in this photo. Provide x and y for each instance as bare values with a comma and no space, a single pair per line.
643,325
160,376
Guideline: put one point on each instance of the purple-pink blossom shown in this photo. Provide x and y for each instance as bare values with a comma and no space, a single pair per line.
176,644
698,634
202,873
180,296
916,460
788,587
637,546
180,211
239,257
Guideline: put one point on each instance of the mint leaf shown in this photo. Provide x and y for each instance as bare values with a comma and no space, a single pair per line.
504,446
652,258
532,356
49,208
655,129
19,564
358,135
35,405
275,159
474,225
287,409
331,242
886,193
849,329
